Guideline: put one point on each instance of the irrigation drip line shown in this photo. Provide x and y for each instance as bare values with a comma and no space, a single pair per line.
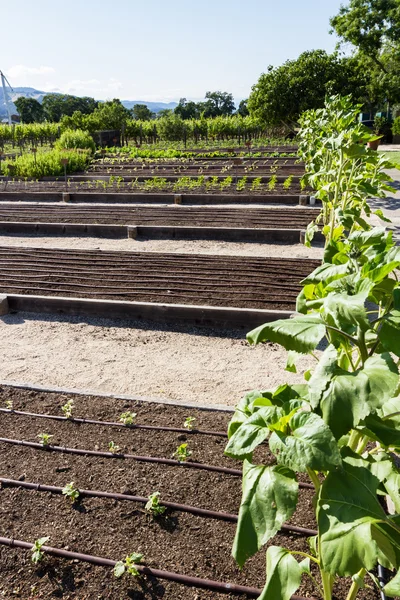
112,423
138,458
208,584
201,512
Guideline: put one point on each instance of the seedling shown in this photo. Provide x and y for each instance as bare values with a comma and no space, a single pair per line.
189,422
287,184
112,447
9,404
153,505
128,418
272,183
71,492
37,554
44,438
128,565
67,409
182,453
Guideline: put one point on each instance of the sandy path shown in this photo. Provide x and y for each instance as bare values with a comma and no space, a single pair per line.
183,246
127,357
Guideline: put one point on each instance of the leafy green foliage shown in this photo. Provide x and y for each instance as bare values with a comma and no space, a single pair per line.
113,448
37,554
73,139
182,453
128,565
128,418
68,408
71,492
44,438
342,426
189,423
153,505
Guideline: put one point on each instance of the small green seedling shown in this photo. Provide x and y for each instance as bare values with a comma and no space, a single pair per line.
37,554
71,492
67,408
153,505
112,447
182,453
128,418
9,404
189,422
128,565
44,438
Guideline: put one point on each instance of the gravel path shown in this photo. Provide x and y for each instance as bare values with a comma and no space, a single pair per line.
128,357
183,246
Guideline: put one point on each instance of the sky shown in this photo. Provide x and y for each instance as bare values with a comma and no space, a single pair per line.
158,50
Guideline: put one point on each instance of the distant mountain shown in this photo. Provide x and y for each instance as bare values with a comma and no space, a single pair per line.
38,95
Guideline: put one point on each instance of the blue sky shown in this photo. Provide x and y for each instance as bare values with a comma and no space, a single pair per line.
158,50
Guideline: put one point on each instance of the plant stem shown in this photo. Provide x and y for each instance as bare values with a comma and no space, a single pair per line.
352,595
327,582
313,476
354,440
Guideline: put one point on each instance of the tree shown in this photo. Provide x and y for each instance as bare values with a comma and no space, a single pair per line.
56,106
187,110
369,25
283,93
141,112
243,110
218,104
29,109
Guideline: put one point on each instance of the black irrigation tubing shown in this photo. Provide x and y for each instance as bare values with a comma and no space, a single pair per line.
197,582
138,458
201,512
112,423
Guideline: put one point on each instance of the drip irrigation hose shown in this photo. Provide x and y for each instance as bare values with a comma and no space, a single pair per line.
383,579
201,512
138,458
208,584
112,423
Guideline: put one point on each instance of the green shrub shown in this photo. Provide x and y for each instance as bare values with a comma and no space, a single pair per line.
396,126
48,164
73,139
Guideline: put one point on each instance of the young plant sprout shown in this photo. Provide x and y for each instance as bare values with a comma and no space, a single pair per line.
128,418
44,438
128,565
9,404
182,453
37,554
67,409
71,492
189,422
112,447
153,505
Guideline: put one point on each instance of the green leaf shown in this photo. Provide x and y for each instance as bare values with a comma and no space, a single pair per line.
384,431
292,358
243,410
309,445
392,485
346,398
283,575
347,511
392,589
119,569
269,499
346,309
326,273
301,334
389,333
378,212
252,432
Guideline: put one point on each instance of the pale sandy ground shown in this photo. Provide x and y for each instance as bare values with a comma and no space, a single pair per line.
180,246
123,357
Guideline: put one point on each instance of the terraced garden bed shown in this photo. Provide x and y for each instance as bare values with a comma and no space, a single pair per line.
182,541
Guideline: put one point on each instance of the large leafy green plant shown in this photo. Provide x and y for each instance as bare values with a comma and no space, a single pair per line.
341,427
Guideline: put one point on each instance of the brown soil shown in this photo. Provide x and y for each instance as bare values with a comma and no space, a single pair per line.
268,218
150,277
177,541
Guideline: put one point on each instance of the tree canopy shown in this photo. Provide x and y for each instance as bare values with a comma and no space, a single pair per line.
141,112
283,93
29,109
56,106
